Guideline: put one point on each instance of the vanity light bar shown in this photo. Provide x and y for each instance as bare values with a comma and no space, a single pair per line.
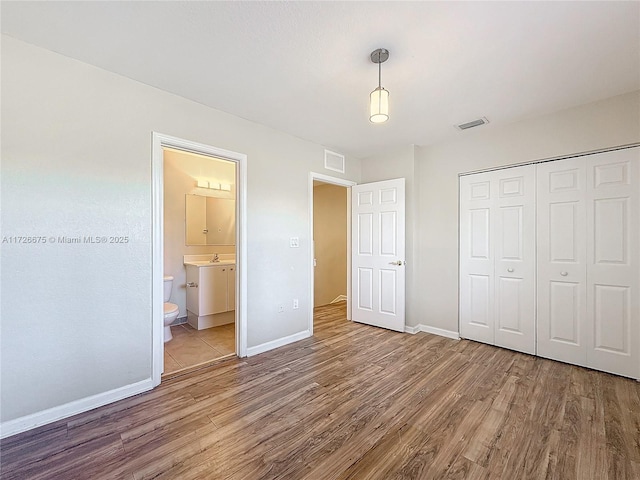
213,185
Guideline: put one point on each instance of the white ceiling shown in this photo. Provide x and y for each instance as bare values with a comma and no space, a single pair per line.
304,67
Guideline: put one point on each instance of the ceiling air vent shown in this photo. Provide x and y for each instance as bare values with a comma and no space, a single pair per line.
473,123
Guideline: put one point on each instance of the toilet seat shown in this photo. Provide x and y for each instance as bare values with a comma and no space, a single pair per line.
170,308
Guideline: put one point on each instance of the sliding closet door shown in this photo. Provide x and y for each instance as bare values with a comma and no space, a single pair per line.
497,258
476,257
562,272
613,266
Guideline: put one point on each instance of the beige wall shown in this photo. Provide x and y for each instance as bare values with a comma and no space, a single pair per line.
76,160
432,188
181,170
401,163
330,239
610,122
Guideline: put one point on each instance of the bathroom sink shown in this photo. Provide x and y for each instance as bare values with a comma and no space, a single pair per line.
207,263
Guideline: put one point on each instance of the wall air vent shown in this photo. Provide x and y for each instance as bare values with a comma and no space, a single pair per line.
333,161
473,123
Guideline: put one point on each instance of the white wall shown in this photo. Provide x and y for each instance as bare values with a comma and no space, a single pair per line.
76,160
181,169
401,163
608,123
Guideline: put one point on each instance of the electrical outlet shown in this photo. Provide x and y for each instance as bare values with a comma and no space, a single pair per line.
294,242
280,308
295,303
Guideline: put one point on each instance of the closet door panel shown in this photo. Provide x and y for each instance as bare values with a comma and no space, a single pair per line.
476,258
515,259
564,314
510,292
613,243
480,308
561,272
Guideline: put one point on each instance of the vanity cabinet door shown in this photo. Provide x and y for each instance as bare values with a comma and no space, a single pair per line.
231,288
193,279
213,290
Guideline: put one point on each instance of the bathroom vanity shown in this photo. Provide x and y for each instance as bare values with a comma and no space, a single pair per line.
211,293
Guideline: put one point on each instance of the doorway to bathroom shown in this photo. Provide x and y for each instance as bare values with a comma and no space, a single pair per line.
330,207
198,256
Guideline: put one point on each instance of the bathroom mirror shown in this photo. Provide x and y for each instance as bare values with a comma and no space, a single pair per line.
210,220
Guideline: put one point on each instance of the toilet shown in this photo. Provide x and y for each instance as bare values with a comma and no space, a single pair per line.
170,309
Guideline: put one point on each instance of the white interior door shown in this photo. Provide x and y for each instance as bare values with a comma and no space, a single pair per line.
378,254
562,273
515,258
476,258
613,266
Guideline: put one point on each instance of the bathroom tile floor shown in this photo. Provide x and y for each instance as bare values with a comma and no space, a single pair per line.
191,347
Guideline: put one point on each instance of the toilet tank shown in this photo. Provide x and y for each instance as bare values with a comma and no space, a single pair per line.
168,282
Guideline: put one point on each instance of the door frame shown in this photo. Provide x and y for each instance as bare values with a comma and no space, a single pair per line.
342,183
160,141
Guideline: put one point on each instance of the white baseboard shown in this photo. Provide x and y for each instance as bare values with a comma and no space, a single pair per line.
411,330
339,298
435,331
54,414
280,342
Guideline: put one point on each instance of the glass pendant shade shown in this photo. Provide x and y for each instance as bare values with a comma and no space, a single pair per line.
379,105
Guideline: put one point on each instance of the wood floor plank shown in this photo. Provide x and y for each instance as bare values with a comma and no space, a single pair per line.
353,402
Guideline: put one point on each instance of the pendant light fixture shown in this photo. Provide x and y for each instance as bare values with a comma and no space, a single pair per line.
379,98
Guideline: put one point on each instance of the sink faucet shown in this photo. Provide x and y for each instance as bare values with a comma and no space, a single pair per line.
215,258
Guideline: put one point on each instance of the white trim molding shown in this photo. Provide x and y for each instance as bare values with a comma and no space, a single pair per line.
160,141
279,342
411,330
342,183
433,330
339,298
28,422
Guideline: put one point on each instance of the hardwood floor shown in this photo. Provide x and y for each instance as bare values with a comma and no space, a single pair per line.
353,402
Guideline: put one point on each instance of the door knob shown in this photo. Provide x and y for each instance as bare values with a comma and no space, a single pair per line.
510,270
564,274
399,262
192,284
